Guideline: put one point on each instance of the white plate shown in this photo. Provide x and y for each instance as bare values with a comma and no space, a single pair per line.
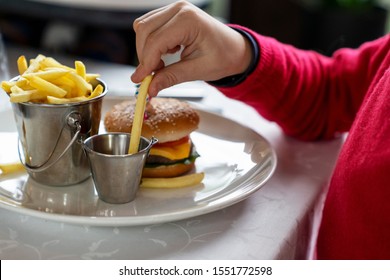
237,161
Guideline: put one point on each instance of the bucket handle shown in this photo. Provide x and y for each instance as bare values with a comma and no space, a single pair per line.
73,120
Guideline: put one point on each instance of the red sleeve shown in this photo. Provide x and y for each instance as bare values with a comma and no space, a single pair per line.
309,95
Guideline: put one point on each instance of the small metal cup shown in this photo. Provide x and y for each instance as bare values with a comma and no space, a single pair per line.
116,174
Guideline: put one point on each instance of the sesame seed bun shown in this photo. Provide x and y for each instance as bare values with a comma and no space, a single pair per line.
167,119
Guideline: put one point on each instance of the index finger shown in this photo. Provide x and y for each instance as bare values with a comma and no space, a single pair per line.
145,25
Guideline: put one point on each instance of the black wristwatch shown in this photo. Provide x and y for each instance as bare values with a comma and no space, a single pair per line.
234,80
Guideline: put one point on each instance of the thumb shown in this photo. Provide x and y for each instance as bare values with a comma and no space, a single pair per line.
176,73
142,71
162,79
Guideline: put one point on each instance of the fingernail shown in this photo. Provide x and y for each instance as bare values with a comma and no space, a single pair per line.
135,75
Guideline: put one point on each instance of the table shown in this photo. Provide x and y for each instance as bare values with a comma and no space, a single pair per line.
273,223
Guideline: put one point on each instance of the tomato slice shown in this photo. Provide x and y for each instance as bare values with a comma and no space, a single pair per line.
174,143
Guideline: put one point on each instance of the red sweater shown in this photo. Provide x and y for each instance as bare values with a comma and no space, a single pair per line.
316,97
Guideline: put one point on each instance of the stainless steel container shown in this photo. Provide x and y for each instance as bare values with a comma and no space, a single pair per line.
51,138
116,174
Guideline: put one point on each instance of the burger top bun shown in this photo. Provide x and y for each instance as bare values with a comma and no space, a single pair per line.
167,119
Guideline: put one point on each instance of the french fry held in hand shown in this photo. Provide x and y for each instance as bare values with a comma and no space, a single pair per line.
174,182
139,115
45,80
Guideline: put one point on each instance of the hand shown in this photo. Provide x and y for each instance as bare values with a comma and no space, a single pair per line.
211,50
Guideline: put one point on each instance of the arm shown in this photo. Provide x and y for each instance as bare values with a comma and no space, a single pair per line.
309,95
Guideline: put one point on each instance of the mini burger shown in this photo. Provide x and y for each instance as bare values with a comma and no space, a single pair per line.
170,121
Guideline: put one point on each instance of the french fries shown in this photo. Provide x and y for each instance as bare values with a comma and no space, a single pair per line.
45,80
174,182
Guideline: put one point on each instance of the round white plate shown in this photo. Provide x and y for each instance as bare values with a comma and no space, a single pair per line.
236,160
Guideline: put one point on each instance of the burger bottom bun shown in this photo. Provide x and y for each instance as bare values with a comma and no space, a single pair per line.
166,171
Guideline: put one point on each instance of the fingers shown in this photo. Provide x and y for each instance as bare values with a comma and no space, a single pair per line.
186,70
148,25
160,32
211,50
141,72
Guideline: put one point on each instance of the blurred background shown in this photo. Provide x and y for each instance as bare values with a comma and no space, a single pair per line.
102,29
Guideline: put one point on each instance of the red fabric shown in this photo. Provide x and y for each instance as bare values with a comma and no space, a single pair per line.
316,97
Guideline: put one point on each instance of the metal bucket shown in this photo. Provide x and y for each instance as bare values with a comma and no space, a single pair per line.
116,174
51,138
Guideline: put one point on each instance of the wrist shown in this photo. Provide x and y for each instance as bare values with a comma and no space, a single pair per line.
248,68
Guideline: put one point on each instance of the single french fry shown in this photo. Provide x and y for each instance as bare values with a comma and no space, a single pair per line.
139,114
19,95
6,86
175,182
56,100
22,64
96,91
16,89
46,86
26,96
80,69
90,77
22,83
48,75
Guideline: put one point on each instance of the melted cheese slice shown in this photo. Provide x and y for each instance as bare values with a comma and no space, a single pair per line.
172,152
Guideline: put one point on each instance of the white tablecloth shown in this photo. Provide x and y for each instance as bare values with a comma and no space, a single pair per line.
273,223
